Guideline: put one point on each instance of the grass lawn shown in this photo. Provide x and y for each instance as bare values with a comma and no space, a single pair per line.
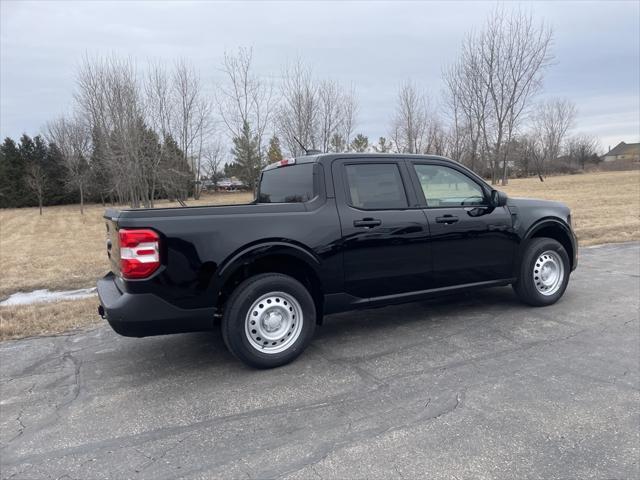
63,250
47,318
605,206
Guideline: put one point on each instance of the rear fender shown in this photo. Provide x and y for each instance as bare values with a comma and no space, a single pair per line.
251,254
266,248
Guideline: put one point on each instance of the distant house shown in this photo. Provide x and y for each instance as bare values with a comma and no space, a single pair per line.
623,151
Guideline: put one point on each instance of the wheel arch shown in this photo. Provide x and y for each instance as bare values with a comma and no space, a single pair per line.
275,256
556,229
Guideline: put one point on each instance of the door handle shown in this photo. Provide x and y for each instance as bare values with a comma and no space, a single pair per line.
448,219
367,222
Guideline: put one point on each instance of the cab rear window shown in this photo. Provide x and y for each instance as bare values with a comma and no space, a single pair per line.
290,184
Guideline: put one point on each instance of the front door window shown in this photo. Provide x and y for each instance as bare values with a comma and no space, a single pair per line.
445,187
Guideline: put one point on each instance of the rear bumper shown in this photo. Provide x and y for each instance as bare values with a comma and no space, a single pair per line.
145,314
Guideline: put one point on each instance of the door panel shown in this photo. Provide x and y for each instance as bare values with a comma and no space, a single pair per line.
385,243
478,247
470,241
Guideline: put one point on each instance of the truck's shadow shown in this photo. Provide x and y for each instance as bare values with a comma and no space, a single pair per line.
422,313
206,350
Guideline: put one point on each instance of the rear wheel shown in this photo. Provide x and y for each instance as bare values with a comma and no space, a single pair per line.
544,272
269,320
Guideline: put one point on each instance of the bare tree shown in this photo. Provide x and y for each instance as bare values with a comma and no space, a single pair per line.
160,104
299,108
458,117
160,99
329,114
128,136
410,122
469,94
348,113
435,142
111,101
583,148
515,52
72,138
191,119
36,179
108,100
500,69
551,121
320,114
244,98
213,162
531,154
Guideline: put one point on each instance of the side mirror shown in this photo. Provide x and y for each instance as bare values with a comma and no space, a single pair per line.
498,198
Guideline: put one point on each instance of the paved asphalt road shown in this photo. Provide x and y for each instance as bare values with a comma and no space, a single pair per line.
479,387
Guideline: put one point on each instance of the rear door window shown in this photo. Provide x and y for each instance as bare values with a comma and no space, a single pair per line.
376,186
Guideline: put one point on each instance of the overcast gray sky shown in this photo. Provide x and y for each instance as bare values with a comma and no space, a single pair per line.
374,45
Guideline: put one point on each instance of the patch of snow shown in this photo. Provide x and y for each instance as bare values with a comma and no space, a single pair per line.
41,296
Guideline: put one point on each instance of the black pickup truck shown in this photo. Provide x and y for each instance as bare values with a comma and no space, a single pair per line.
328,233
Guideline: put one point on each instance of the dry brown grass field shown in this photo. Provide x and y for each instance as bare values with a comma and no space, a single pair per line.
64,250
47,318
605,206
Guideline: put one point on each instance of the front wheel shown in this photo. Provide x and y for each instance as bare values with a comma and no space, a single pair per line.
544,272
269,320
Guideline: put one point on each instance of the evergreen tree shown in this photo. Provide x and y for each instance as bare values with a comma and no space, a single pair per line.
57,193
174,173
102,181
274,153
27,149
4,177
232,169
13,176
360,143
383,146
337,143
12,173
245,153
148,156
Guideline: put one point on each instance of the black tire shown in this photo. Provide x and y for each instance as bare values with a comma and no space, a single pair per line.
525,287
236,335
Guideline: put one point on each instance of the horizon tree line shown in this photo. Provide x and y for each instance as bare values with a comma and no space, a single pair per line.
135,136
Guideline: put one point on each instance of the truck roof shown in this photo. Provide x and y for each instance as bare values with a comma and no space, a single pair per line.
323,156
329,157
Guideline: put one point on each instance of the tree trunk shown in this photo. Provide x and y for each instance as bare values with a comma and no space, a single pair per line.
81,199
539,170
505,177
474,149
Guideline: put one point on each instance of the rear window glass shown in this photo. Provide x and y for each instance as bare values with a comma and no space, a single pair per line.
291,184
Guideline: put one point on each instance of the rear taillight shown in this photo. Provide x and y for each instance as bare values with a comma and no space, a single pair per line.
139,252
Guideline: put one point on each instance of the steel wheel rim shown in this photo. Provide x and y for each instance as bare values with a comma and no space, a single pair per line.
274,322
548,273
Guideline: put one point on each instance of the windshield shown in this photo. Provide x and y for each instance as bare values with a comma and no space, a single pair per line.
291,184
